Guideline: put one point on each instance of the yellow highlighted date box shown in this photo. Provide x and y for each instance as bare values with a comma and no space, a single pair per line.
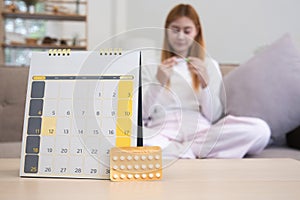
125,89
123,142
49,126
124,127
124,108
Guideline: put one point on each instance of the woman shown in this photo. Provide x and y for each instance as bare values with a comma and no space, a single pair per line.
182,99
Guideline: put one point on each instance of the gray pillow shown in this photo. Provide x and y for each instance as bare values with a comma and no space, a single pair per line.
268,87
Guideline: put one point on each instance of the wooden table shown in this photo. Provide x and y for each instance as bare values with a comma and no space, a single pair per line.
186,179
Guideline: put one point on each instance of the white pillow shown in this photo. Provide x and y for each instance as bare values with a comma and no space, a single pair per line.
268,87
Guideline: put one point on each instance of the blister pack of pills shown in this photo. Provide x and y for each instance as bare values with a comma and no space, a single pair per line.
135,163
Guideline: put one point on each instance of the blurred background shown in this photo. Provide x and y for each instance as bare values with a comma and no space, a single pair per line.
234,30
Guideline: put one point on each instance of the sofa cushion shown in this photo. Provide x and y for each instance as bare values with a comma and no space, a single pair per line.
13,87
277,152
10,149
267,87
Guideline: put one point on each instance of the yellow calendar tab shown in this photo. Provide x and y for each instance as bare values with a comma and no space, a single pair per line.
49,126
39,78
124,127
126,77
124,108
125,89
123,142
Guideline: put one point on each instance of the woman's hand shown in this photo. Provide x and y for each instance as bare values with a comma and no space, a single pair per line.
197,66
165,69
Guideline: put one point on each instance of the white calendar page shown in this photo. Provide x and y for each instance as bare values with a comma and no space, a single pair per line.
78,107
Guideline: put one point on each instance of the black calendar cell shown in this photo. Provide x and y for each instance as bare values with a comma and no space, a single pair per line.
33,144
34,126
31,163
37,89
36,107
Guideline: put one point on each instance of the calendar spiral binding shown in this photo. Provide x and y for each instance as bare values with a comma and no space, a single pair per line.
102,52
59,52
110,52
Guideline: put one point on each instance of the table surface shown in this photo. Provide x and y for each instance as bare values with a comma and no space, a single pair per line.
185,179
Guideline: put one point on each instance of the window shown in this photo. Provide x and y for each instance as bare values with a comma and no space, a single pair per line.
17,30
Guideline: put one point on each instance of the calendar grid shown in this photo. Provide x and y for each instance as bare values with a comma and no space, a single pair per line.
70,127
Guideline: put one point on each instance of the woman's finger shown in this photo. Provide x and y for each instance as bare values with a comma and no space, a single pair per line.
170,62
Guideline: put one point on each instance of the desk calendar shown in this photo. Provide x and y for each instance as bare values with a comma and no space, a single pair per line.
79,105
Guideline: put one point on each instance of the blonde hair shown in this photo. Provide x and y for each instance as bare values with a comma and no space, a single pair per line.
198,47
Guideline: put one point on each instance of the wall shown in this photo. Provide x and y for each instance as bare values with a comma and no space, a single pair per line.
233,29
100,20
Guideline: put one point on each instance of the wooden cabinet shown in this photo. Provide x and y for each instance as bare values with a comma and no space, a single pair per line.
60,13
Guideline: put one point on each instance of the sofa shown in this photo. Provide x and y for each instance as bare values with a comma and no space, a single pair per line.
13,86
